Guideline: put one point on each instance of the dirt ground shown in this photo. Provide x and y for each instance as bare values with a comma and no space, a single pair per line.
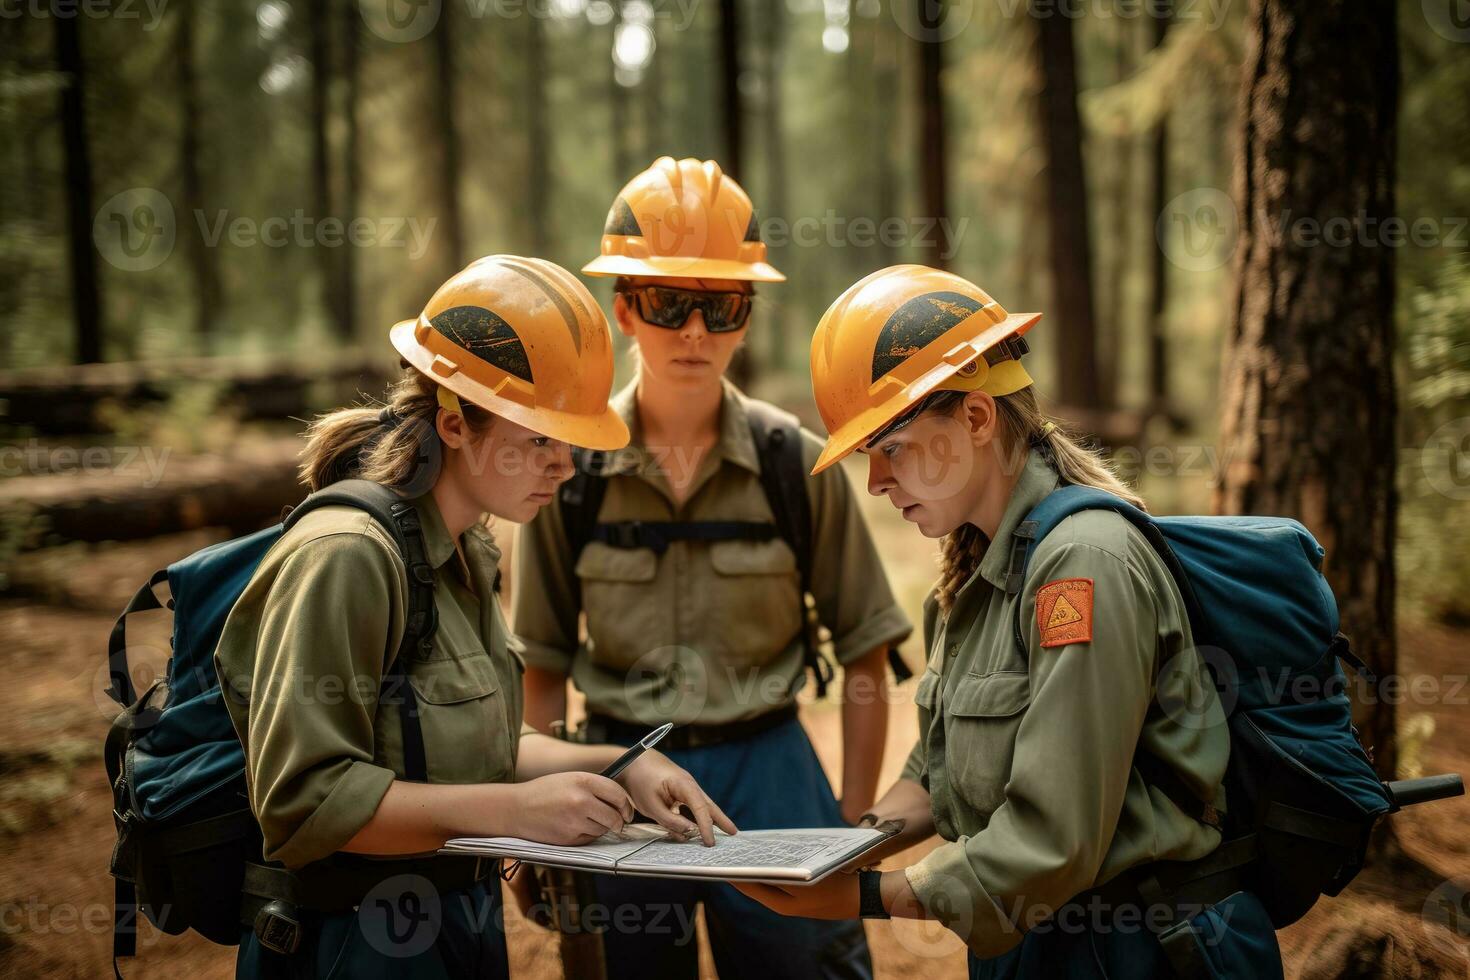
56,832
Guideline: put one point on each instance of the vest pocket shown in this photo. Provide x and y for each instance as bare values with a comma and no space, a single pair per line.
468,731
983,712
756,610
619,599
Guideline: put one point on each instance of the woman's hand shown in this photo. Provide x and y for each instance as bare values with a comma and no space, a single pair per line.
834,897
570,808
659,787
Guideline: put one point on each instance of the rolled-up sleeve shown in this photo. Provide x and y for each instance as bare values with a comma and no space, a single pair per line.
849,584
320,630
1073,759
545,607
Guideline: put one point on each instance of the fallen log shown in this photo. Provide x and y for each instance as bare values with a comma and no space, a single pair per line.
241,490
60,400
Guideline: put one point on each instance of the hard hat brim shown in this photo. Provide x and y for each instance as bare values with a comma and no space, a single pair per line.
682,267
860,428
605,431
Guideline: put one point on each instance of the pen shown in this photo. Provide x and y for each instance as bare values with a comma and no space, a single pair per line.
646,742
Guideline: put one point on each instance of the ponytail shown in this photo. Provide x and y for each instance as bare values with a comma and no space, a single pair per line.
396,445
1022,427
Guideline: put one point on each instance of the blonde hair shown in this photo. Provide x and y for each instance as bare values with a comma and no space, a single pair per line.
1022,426
391,445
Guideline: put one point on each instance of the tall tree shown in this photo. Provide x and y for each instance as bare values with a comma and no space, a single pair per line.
81,257
202,264
773,29
1066,205
1158,344
733,144
329,261
933,174
617,94
538,136
350,27
448,135
1313,323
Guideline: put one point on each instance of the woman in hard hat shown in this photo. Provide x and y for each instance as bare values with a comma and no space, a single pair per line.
1041,687
509,365
693,589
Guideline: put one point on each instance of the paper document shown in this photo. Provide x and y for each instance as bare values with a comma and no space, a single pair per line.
797,856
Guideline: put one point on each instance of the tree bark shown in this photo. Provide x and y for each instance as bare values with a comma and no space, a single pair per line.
1068,239
1158,344
350,25
201,258
1313,324
773,28
933,172
448,135
81,256
733,146
328,259
538,138
617,94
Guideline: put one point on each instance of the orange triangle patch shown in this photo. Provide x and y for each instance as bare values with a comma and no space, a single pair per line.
1064,612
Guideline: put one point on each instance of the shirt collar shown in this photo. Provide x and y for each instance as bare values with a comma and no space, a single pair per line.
736,442
1038,479
438,545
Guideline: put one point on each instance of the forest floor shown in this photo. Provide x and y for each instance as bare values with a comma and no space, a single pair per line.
1406,917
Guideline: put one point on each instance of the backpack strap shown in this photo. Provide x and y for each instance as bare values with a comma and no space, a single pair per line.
121,687
1059,505
777,436
580,498
398,517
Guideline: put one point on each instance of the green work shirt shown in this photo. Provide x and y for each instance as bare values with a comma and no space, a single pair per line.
1028,755
709,631
303,654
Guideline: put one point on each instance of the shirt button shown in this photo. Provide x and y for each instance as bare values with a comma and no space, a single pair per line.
954,648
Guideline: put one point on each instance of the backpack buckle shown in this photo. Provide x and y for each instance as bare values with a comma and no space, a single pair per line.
277,928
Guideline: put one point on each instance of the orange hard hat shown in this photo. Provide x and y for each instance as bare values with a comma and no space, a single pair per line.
524,339
900,334
685,219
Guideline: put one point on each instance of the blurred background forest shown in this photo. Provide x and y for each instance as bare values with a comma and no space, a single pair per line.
212,211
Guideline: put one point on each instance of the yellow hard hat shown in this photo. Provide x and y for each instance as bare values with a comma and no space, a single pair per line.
524,339
686,219
900,334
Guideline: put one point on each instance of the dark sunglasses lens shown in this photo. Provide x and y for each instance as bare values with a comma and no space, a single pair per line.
725,312
665,307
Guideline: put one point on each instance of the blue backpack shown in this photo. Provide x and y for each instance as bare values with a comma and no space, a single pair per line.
175,765
1301,792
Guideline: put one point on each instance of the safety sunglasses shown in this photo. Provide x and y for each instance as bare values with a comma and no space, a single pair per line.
669,307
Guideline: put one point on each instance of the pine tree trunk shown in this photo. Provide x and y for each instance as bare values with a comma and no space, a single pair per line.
1068,242
201,257
773,25
1158,346
539,139
933,176
321,169
1309,397
733,145
350,22
81,256
449,149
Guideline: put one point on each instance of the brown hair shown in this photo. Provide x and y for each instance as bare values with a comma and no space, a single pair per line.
1022,426
390,445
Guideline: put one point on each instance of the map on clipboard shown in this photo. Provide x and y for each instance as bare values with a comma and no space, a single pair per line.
784,857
